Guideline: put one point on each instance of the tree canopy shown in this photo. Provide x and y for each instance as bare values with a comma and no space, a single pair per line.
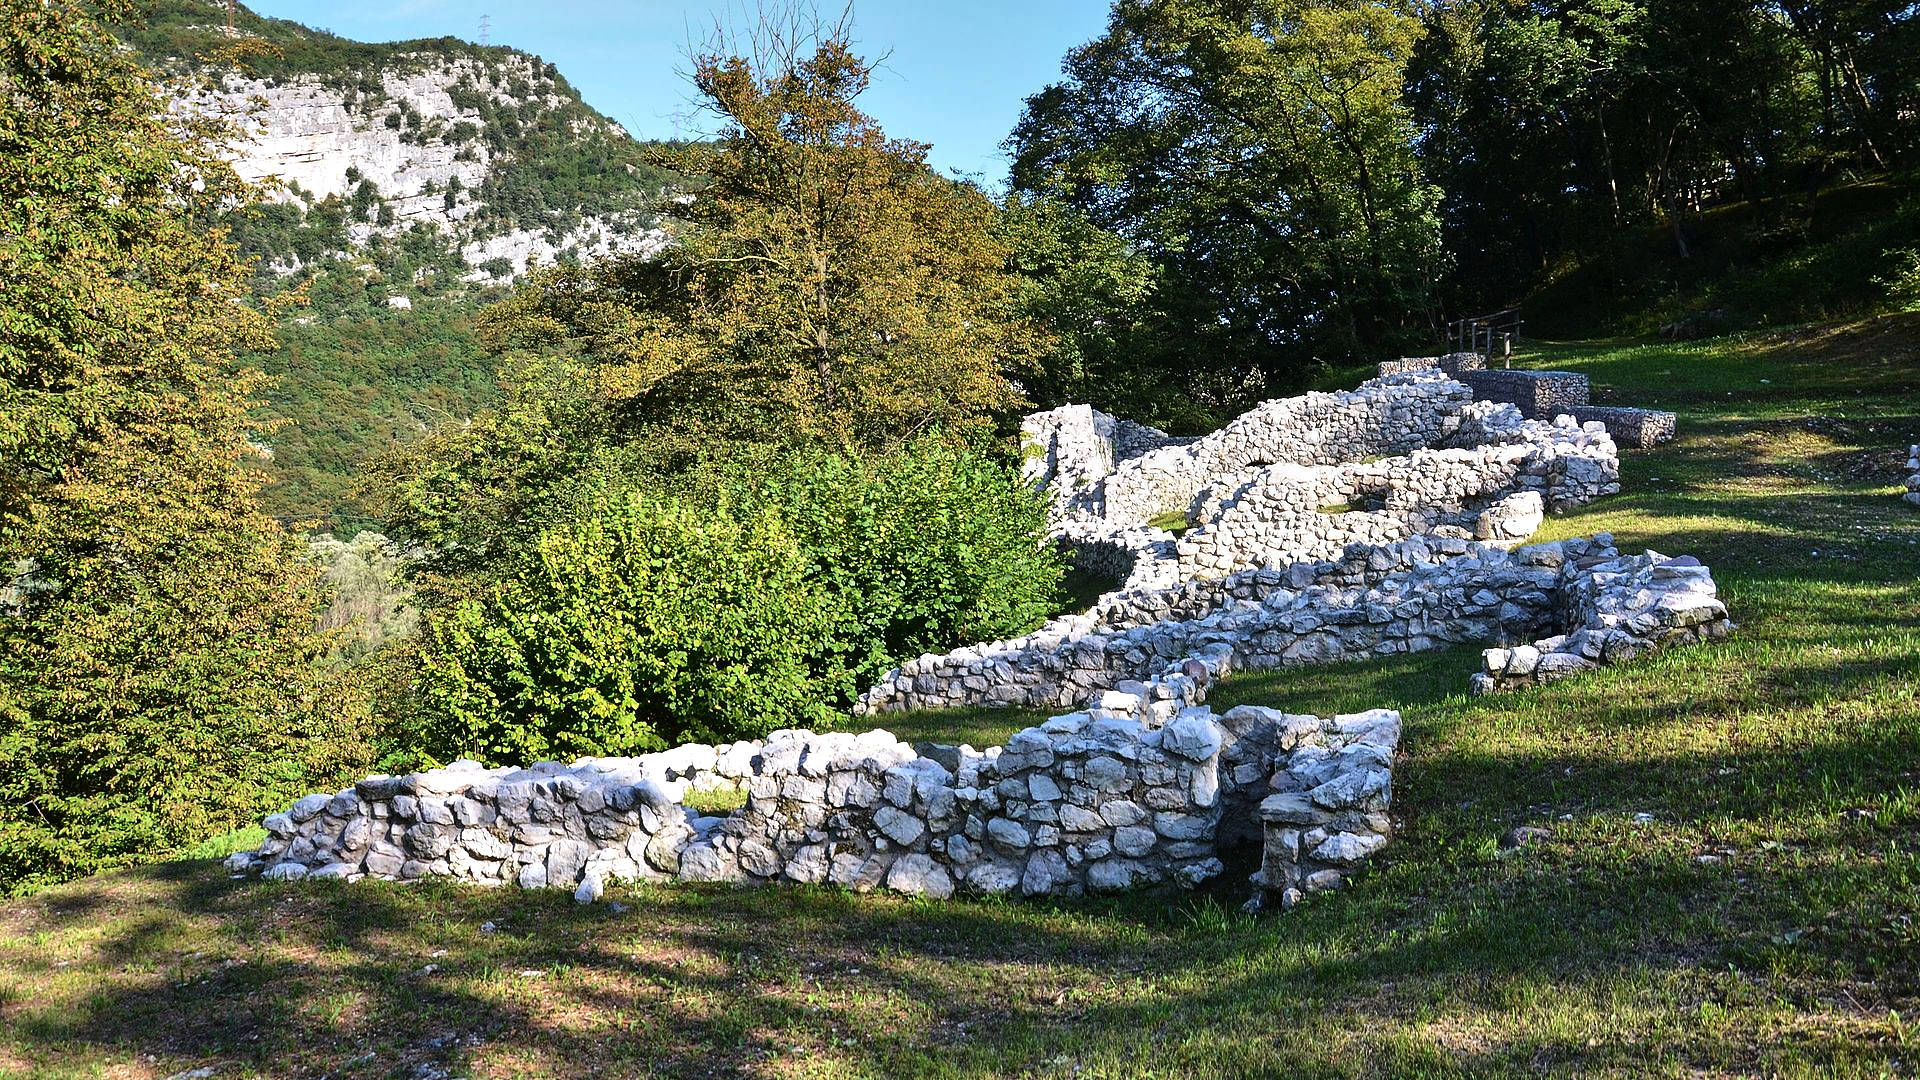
1556,127
1261,154
827,285
157,648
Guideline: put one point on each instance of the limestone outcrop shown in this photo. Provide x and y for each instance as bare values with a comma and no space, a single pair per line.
416,139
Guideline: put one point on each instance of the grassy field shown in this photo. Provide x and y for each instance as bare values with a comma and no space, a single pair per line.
1731,885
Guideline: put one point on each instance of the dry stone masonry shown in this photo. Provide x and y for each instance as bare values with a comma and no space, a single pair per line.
1614,608
1539,395
1913,475
1578,597
1143,787
1300,479
1451,363
1331,527
1381,521
1640,429
1543,395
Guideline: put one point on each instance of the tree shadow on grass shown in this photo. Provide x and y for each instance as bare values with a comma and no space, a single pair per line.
697,982
700,981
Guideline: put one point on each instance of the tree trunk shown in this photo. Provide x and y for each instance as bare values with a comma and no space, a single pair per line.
1606,153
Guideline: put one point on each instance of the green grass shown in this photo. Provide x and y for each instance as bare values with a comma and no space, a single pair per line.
1788,260
246,838
715,800
1732,887
1173,521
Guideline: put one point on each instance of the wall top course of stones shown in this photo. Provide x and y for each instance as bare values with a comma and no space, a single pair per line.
1127,792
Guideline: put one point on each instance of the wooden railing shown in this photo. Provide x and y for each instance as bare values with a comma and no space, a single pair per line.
1492,336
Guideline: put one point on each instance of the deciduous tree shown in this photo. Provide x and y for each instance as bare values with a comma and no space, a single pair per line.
157,645
1259,151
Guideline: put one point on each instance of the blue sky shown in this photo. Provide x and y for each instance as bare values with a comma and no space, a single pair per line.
956,77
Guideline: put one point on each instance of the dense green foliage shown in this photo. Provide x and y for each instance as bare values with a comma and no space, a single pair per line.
1559,129
765,594
827,287
633,626
1260,154
370,606
1325,182
159,665
922,549
1097,295
729,485
1836,254
355,378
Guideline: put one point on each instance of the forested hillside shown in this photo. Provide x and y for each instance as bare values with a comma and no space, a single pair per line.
1204,217
1314,184
418,179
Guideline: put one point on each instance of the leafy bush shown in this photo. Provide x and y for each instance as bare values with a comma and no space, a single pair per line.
642,624
370,603
763,595
1902,284
926,549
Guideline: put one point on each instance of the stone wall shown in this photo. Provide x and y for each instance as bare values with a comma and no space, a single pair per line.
1328,812
1140,788
1072,446
1496,490
1614,608
1543,395
1451,363
1393,415
1540,395
1486,594
1358,565
1136,557
1913,478
1641,429
1468,462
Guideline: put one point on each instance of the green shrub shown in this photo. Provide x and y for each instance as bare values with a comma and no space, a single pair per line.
642,624
926,549
1902,284
765,595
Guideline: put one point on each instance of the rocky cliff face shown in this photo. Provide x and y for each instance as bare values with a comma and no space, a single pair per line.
441,134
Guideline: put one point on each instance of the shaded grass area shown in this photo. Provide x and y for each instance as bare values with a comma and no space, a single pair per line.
1789,259
1730,888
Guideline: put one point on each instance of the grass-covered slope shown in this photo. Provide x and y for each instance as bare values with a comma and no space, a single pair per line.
353,375
1731,887
1839,254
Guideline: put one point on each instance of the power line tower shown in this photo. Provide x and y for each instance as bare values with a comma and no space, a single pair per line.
485,25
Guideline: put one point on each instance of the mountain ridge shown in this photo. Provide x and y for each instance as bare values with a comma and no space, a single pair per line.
488,144
409,183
